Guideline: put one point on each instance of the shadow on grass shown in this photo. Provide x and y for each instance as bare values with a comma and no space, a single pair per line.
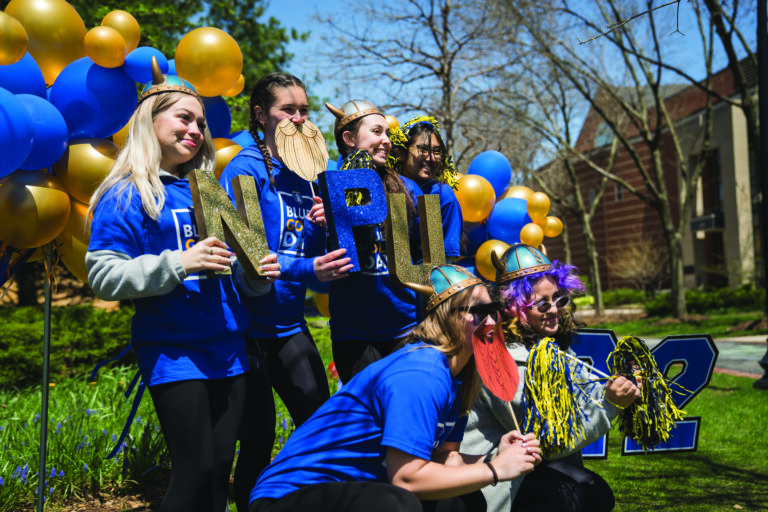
690,482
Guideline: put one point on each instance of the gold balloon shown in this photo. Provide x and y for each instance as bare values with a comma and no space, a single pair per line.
392,122
72,242
105,46
235,89
538,206
483,261
34,208
226,150
126,25
532,234
13,40
518,191
56,33
121,135
84,165
476,197
321,303
210,59
552,227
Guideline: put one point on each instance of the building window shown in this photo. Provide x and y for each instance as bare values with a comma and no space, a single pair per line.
591,197
619,191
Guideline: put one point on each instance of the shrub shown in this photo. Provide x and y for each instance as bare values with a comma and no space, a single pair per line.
621,296
81,336
707,301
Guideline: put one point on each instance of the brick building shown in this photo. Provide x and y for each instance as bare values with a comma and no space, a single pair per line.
719,248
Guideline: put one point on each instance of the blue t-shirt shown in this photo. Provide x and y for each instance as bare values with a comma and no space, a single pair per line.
368,305
195,331
409,401
450,211
280,312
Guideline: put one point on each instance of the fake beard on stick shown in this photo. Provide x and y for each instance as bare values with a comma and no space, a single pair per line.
496,367
651,417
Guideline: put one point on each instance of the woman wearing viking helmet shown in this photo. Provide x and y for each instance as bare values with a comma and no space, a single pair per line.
423,157
370,314
388,440
187,330
536,295
284,162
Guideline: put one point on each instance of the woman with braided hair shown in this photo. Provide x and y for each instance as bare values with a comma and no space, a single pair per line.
370,314
536,295
278,338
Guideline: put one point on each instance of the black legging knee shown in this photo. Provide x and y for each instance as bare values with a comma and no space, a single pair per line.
563,485
200,420
293,367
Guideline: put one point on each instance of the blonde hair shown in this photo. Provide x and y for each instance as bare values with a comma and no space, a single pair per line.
138,163
443,329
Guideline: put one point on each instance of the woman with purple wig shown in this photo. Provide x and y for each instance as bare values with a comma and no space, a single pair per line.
536,295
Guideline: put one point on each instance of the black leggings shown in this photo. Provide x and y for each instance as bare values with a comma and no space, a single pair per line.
200,420
293,367
352,356
563,485
365,496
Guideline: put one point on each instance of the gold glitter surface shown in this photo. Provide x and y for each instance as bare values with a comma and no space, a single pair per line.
242,228
401,269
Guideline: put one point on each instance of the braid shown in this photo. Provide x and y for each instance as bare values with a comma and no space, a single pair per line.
267,160
263,96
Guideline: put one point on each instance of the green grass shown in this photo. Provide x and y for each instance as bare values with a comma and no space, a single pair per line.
728,472
716,326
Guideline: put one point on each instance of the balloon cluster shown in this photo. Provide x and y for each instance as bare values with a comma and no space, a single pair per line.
497,215
64,92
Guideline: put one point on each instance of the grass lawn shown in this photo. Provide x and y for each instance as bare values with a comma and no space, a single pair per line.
728,472
716,326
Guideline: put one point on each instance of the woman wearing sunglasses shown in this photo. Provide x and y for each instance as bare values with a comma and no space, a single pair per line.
388,440
536,296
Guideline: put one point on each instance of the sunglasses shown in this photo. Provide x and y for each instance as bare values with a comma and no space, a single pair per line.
543,306
480,311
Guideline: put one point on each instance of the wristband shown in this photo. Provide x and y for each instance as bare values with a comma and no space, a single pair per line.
493,470
614,403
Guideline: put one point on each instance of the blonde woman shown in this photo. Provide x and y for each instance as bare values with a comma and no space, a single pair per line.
187,330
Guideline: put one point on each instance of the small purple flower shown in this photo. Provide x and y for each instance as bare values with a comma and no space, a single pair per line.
53,473
85,468
61,474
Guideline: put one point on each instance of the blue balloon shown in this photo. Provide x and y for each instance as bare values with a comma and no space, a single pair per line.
494,167
172,67
16,133
50,132
476,234
138,63
243,138
217,116
95,101
23,77
507,219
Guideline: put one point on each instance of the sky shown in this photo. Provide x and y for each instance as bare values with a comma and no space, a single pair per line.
298,14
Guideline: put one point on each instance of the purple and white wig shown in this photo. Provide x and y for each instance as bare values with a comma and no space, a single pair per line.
517,296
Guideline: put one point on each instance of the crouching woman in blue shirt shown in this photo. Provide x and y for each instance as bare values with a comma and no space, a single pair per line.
389,439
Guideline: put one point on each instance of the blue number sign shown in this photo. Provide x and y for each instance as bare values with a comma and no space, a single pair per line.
696,355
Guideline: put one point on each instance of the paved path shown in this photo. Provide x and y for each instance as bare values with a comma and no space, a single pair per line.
739,355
